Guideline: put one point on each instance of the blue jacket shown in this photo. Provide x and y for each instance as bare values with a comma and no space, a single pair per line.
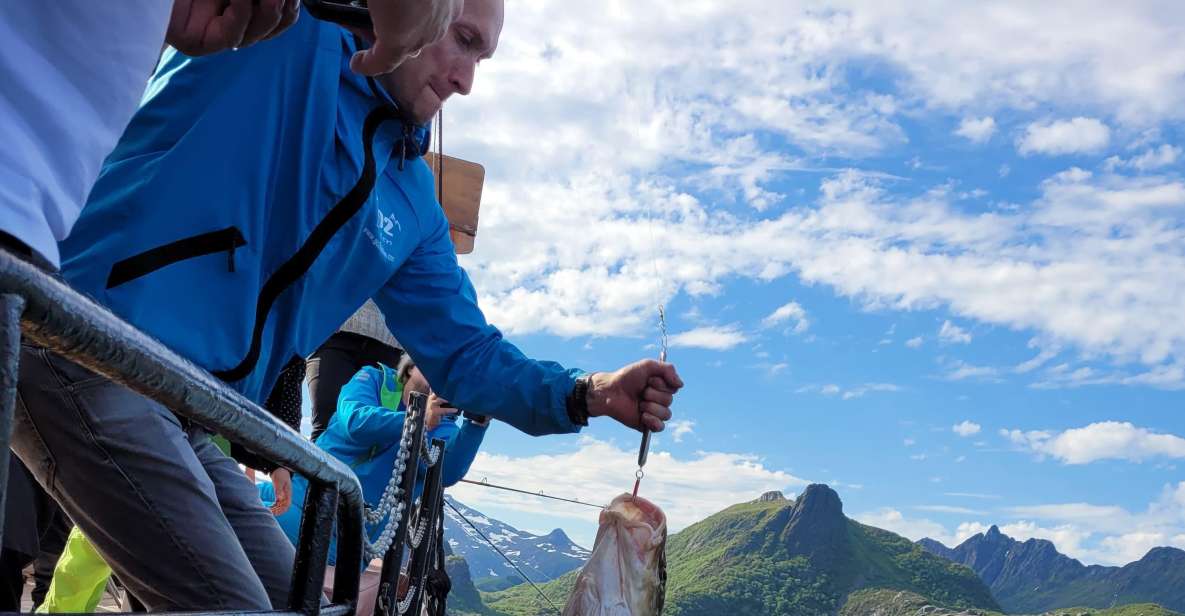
259,197
364,434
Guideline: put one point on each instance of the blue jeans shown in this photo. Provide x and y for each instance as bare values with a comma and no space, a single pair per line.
179,523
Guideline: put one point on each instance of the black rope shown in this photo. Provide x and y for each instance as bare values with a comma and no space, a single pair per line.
440,156
505,557
539,494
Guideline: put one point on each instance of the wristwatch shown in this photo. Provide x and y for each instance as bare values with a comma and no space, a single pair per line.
577,401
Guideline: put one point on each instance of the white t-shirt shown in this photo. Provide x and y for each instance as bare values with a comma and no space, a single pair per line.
72,73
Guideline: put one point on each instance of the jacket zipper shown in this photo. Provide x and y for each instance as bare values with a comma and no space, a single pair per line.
144,263
299,263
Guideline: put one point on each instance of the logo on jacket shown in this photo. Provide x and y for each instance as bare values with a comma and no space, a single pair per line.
388,224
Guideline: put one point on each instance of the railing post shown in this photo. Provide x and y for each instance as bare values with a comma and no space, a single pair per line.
316,528
11,307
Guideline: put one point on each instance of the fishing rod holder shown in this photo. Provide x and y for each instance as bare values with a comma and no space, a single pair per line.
45,311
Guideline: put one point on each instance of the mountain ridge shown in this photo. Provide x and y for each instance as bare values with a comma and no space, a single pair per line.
779,556
541,557
1033,576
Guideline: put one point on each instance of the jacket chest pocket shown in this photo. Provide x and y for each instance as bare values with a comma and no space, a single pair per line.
214,242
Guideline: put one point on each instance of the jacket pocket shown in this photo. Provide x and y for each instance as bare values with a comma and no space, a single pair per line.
226,240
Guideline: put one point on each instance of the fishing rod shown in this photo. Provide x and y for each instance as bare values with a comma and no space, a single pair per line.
540,493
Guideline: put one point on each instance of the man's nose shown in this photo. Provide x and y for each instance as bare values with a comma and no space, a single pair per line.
462,77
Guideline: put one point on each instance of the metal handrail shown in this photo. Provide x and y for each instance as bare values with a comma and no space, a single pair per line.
53,315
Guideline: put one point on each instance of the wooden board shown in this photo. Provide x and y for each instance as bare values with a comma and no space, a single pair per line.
462,197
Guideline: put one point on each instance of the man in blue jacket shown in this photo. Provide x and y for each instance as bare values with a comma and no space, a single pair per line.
254,202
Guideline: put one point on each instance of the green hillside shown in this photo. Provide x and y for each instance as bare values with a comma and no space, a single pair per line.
776,556
882,602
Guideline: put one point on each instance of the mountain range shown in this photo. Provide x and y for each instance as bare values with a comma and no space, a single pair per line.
541,557
779,556
1032,576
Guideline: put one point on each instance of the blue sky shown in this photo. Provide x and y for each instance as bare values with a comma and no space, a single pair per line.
930,255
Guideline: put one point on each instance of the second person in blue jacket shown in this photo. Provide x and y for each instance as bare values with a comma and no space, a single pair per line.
365,433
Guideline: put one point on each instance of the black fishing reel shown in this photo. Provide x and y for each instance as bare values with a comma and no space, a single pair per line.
345,12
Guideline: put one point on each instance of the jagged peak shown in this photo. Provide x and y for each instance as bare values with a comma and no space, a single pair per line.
994,532
819,499
557,534
772,495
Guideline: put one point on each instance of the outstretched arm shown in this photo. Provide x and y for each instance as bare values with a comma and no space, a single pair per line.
432,308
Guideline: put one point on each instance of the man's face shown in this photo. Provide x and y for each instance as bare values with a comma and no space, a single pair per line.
421,85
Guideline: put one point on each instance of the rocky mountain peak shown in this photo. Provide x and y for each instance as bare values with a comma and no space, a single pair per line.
773,495
819,500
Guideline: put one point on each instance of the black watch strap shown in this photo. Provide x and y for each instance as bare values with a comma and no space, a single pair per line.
578,401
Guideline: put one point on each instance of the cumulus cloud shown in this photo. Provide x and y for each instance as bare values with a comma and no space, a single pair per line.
636,165
1154,158
680,428
913,528
966,428
949,509
790,312
960,371
914,342
977,130
1106,440
949,332
594,470
713,337
1075,136
849,393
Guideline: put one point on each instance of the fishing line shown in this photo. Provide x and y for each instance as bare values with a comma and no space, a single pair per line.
506,558
540,493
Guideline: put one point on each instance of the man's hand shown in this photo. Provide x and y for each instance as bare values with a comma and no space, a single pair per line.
201,27
402,28
437,407
638,395
282,484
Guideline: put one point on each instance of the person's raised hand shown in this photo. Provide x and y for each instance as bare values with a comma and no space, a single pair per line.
282,485
201,27
437,408
638,395
401,29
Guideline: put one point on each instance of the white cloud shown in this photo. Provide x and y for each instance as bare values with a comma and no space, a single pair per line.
973,495
951,333
860,390
1075,136
893,520
914,342
791,312
1106,440
849,393
637,157
949,509
960,370
594,470
680,428
910,442
966,428
977,130
714,337
1154,158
